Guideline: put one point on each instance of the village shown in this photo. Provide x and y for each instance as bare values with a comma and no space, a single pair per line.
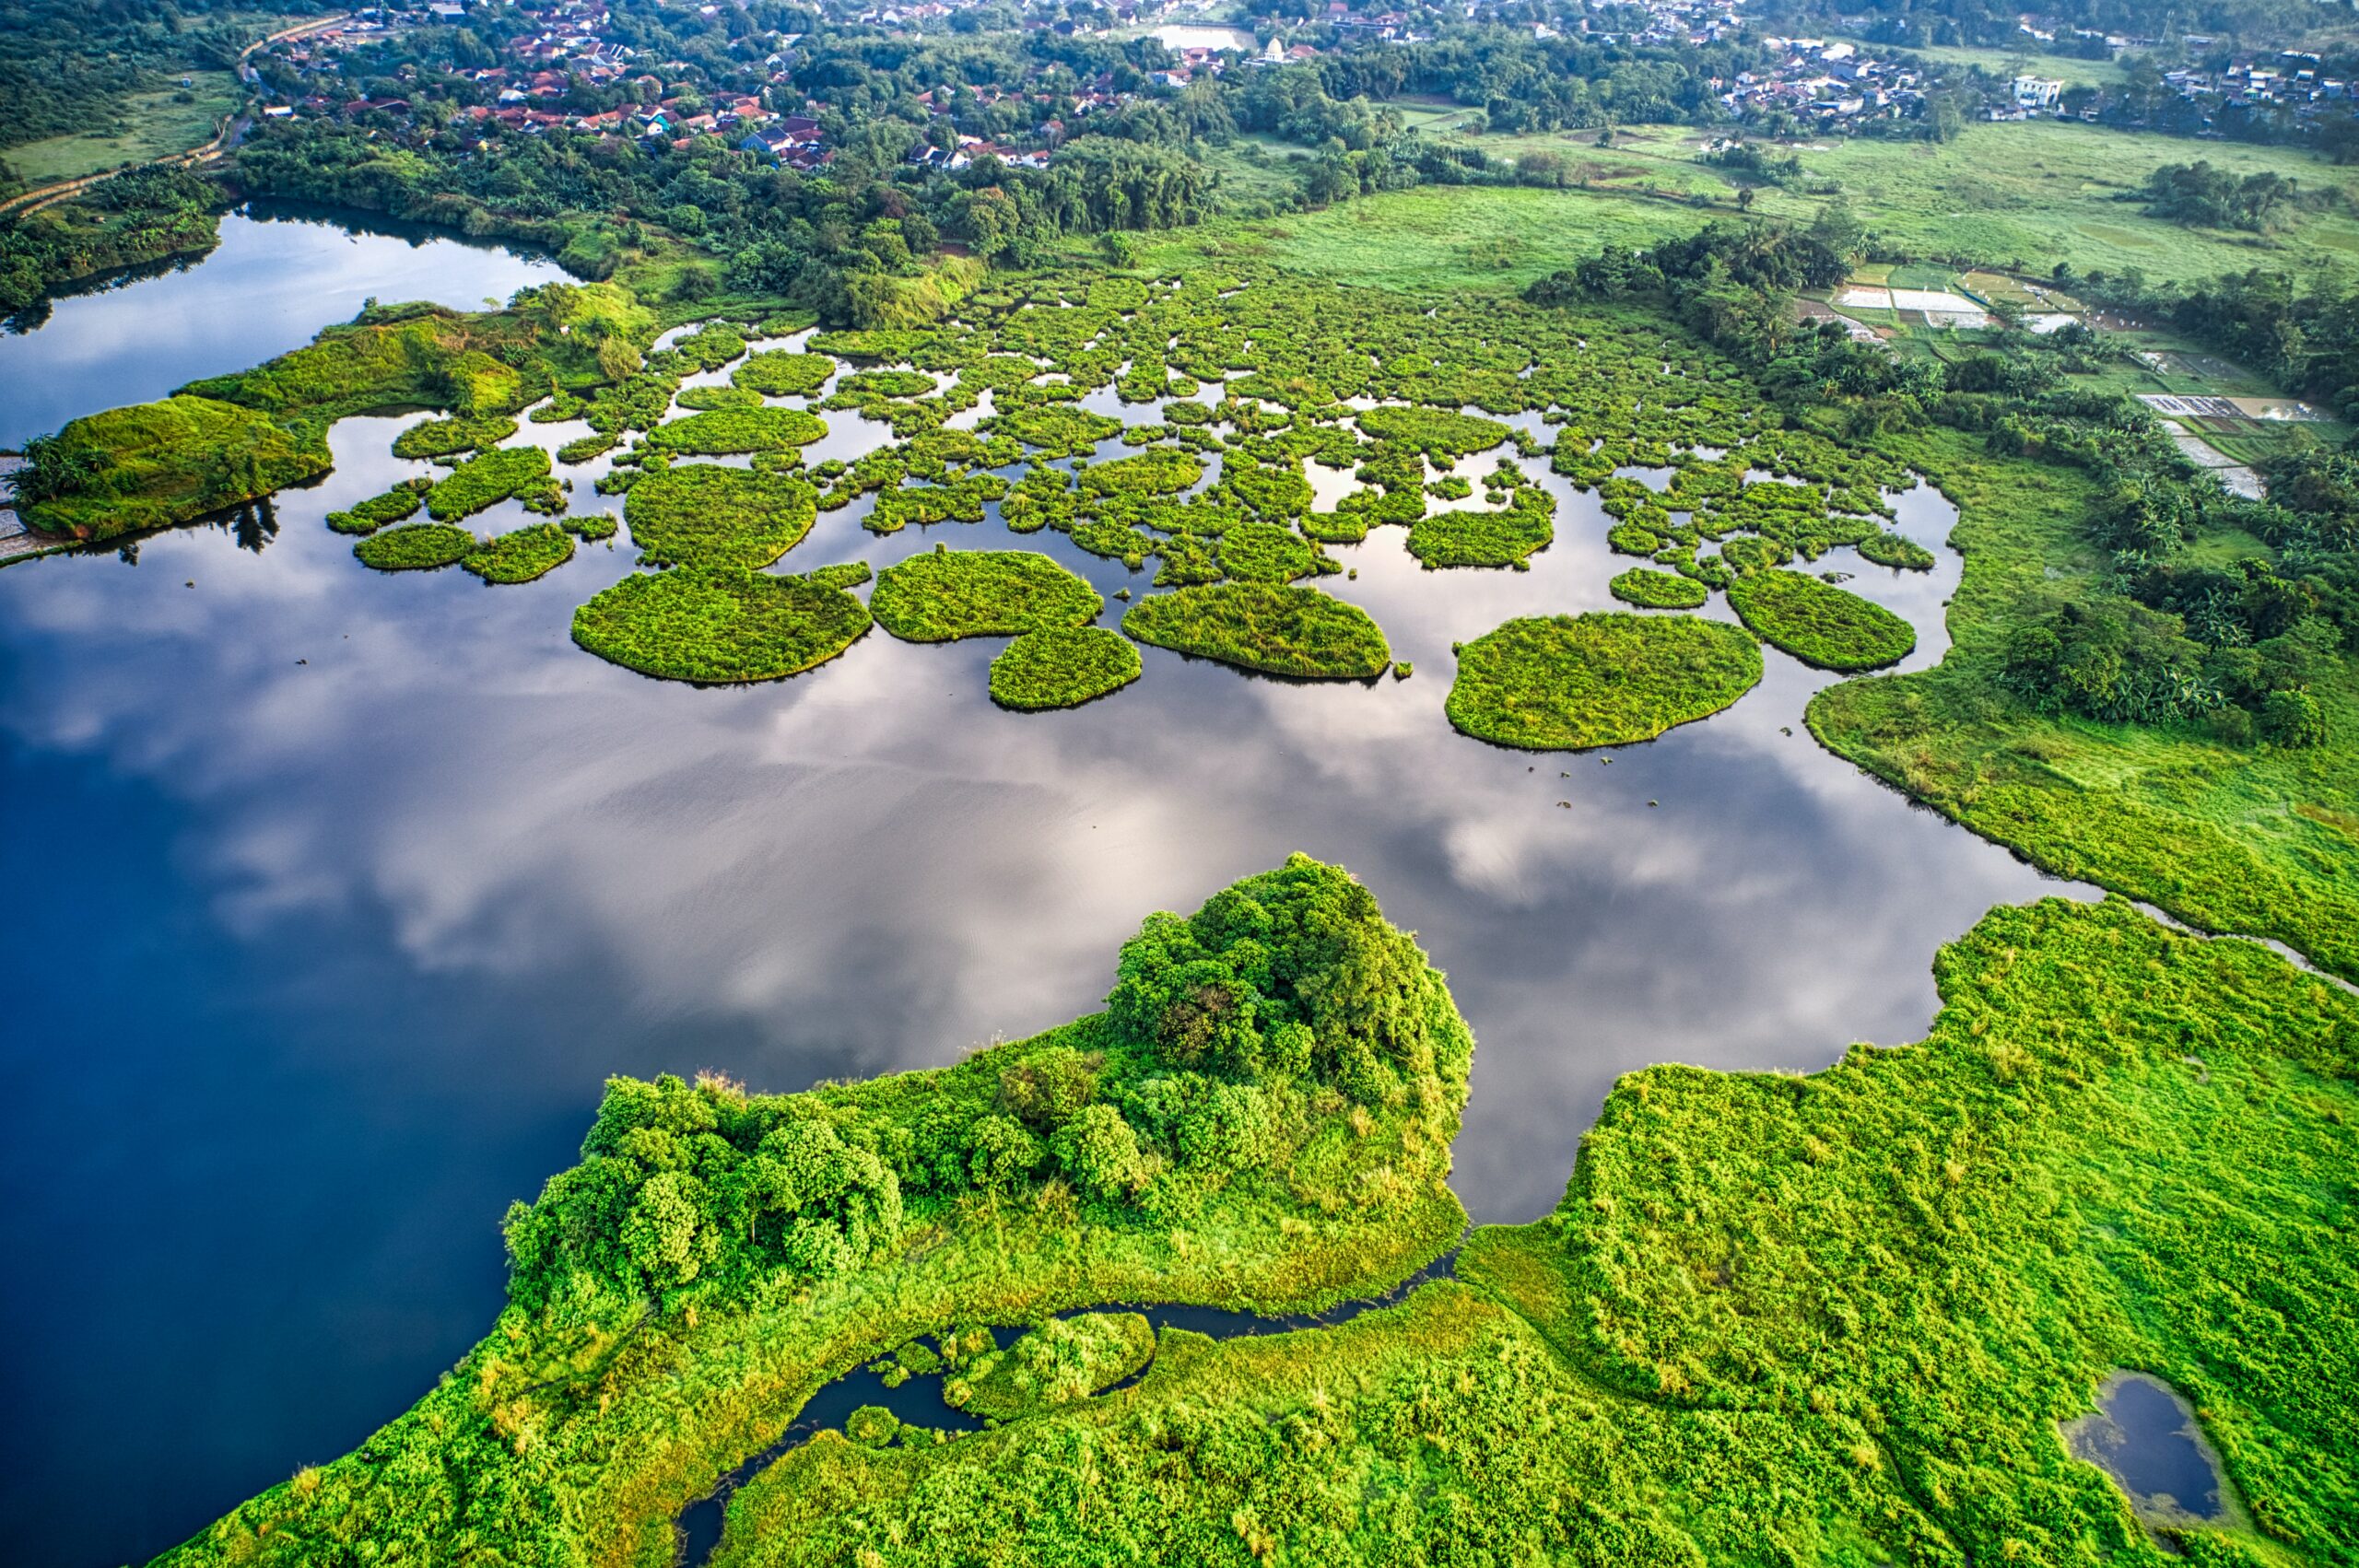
562,70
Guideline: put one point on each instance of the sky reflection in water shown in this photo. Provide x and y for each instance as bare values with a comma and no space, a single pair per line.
321,963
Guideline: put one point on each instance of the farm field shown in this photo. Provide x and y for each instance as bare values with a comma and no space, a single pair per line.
2036,193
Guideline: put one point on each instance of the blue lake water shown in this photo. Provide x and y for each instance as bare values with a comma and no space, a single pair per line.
338,895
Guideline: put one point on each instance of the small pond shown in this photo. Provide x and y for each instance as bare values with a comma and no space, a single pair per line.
2146,1437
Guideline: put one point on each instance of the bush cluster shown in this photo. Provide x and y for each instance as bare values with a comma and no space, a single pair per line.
706,514
1567,682
946,594
1267,626
1063,667
719,624
1820,624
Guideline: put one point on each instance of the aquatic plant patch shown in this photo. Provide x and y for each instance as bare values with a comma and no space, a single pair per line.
700,399
1469,537
1441,434
946,594
711,348
446,438
1894,550
962,499
416,547
1063,667
706,514
505,474
1658,590
1161,472
1566,683
1063,1360
1263,551
396,505
1058,429
1820,624
1257,626
727,432
520,555
777,373
719,624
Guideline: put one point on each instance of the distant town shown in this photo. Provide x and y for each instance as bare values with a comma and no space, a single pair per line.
562,69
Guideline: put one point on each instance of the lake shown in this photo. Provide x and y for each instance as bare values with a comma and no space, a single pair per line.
339,894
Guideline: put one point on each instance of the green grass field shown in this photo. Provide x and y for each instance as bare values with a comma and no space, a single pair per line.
1434,237
2034,194
150,125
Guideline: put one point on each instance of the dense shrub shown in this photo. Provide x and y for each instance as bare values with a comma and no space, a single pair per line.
1287,631
1570,681
1820,624
946,594
1063,667
719,624
706,514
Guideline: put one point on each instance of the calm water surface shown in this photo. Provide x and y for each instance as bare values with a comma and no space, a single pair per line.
338,895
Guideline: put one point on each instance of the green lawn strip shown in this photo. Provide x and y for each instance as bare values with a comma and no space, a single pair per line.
520,555
416,547
1842,1312
946,594
1567,682
707,514
1063,667
719,624
1261,1120
1818,623
1658,590
725,432
1256,626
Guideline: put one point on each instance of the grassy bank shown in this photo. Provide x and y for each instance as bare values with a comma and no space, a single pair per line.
1823,1319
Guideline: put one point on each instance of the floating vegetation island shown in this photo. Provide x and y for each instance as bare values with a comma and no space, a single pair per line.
1264,626
950,594
720,623
1820,624
1063,667
704,514
1567,682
